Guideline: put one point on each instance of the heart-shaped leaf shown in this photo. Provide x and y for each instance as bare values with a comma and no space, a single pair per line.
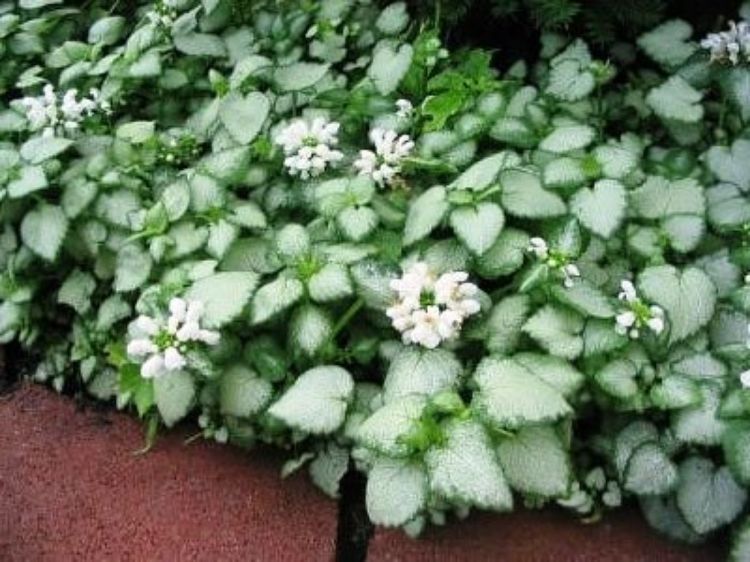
478,227
601,209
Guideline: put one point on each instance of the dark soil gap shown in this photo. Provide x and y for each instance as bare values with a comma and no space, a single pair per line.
354,527
10,367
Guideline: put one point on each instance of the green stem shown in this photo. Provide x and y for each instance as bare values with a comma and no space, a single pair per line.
350,313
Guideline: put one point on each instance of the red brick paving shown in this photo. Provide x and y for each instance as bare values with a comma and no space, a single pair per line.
71,490
548,536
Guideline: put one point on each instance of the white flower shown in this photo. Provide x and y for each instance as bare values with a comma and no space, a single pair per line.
384,164
161,343
731,46
308,147
538,247
430,309
745,378
404,108
54,115
630,320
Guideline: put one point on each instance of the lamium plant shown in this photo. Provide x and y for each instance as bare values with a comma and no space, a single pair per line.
309,224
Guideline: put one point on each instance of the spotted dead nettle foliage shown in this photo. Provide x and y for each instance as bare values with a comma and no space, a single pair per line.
310,225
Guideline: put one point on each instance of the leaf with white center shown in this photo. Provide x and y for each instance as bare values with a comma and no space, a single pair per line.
328,468
298,76
557,330
741,543
524,196
111,311
669,44
556,372
478,227
200,45
228,166
684,232
385,428
224,296
662,514
736,445
676,100
700,366
221,235
599,338
687,296
736,86
568,81
465,469
729,163
425,214
424,372
275,297
629,439
29,180
505,322
585,298
617,162
38,149
205,193
535,462
396,491
136,132
372,283
510,396
482,174
708,497
505,256
658,198
601,209
243,116
564,172
728,208
173,394
43,230
568,138
675,392
618,379
76,291
309,329
513,131
393,19
357,223
700,424
248,215
331,283
317,401
242,393
389,66
650,471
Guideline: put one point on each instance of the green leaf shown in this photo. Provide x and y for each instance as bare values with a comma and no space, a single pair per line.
424,372
676,100
736,84
729,164
133,268
568,138
478,227
298,76
76,291
650,471
736,445
585,298
535,462
700,424
200,45
77,196
505,323
425,214
675,392
356,223
224,296
389,66
669,44
511,396
687,296
242,393
505,256
708,497
396,491
136,132
328,468
384,430
663,515
618,379
43,230
557,330
111,311
524,196
30,179
317,401
393,19
274,297
563,173
483,173
556,372
228,166
658,198
107,30
568,81
616,161
331,283
244,116
35,4
601,209
38,149
174,394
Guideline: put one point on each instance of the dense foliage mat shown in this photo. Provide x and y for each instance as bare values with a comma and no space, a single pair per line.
308,224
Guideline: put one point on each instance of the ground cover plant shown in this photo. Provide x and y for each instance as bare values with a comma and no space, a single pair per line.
309,224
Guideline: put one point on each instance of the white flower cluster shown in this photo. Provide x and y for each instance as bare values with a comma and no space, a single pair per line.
162,345
431,309
554,260
384,164
730,46
638,314
53,114
404,109
164,13
308,146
